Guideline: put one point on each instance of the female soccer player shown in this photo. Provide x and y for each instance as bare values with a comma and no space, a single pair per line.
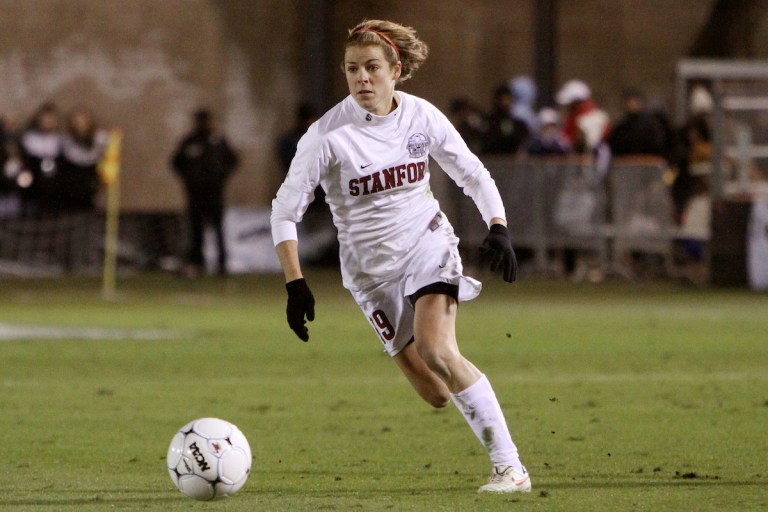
398,252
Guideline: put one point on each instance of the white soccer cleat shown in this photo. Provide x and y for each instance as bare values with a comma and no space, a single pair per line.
507,479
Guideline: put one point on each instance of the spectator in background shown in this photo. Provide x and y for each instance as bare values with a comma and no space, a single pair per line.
468,121
318,215
695,223
5,181
699,140
700,101
523,90
672,147
82,148
204,161
505,134
10,168
638,132
550,139
287,142
697,148
40,146
695,145
586,126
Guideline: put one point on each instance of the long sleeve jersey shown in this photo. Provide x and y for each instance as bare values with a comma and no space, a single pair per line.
375,174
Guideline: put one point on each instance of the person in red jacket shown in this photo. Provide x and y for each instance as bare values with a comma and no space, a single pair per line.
586,125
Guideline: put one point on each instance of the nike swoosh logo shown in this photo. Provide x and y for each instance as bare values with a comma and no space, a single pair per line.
364,166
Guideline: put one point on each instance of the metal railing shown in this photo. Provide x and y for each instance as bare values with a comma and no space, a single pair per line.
569,203
553,205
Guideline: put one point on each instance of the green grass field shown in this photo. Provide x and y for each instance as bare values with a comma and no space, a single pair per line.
619,396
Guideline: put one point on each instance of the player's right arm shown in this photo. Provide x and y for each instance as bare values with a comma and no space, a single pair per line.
298,189
288,254
301,302
288,208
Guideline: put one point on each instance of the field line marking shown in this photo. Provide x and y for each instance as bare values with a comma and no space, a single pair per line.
20,332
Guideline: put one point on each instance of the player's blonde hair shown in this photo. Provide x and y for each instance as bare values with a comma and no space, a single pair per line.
400,44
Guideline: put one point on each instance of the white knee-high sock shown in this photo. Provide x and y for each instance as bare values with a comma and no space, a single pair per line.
482,411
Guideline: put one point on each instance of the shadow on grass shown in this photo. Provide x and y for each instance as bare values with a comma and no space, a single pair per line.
268,493
537,484
77,503
699,482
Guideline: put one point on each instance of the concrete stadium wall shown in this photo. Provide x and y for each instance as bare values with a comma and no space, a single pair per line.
612,45
143,65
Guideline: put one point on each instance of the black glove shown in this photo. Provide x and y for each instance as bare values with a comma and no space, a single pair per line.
498,248
300,302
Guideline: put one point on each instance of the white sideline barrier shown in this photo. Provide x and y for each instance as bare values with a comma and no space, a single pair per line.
757,246
248,236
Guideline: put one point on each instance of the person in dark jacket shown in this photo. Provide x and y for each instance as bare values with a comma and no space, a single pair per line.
6,185
639,132
204,161
40,147
505,134
287,142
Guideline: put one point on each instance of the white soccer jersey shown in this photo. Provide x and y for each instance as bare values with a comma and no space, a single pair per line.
375,173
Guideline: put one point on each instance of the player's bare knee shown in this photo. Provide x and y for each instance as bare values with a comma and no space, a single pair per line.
429,356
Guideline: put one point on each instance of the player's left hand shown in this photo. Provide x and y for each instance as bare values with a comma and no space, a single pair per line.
498,248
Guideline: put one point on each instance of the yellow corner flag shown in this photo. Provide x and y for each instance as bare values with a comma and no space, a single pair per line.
109,172
109,167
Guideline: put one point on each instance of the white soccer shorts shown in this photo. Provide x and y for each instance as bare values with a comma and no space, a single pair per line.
435,259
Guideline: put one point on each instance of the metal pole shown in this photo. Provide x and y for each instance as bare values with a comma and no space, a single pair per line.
319,55
718,141
544,57
109,168
681,105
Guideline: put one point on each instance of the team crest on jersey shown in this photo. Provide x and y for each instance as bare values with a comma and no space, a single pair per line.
418,145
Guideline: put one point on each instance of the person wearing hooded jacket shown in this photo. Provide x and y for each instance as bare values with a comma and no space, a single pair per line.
586,126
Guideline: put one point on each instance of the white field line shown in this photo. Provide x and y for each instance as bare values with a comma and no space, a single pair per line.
17,332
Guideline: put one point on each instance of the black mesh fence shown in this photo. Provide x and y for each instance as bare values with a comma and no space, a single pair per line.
74,243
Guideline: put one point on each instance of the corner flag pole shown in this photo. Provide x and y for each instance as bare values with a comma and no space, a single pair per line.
109,170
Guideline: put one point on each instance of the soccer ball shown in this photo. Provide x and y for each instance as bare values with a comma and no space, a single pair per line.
209,459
